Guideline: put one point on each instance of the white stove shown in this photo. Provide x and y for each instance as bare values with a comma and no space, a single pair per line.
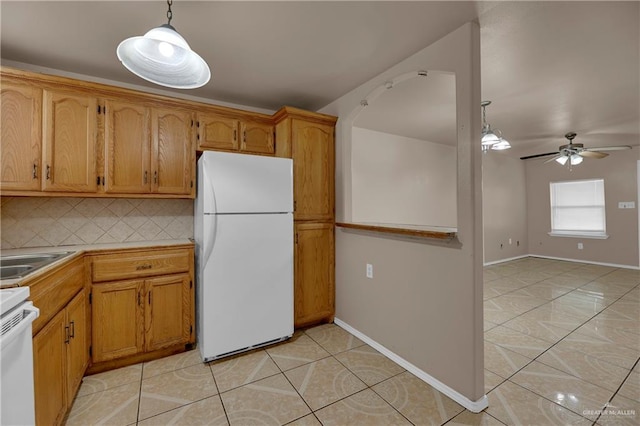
16,387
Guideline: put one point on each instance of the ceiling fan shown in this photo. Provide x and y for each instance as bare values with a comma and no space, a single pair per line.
574,152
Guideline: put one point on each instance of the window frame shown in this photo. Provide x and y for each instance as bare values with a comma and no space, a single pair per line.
573,233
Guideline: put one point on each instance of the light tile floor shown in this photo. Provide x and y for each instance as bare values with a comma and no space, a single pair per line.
562,345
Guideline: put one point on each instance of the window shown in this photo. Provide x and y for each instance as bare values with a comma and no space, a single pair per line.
577,209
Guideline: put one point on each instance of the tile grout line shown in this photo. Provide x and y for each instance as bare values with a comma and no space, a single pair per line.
584,322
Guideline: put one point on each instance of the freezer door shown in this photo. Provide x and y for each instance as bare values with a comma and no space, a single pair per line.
239,183
245,289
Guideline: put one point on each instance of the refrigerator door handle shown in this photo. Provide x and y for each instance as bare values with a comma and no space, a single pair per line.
209,222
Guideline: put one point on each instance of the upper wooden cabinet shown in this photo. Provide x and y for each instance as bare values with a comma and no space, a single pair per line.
67,136
256,137
173,154
69,141
217,132
308,139
127,135
21,139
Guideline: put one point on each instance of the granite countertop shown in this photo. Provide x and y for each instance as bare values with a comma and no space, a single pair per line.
76,251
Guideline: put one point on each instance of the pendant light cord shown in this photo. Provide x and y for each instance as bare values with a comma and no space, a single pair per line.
169,13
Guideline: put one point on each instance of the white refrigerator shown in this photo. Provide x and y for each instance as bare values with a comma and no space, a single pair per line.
243,229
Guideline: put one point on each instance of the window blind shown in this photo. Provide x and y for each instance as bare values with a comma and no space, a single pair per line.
578,206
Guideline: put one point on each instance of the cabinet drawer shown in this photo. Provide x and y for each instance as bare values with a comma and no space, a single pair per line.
127,265
51,292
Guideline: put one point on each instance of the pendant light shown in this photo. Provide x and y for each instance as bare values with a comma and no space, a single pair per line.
491,138
162,56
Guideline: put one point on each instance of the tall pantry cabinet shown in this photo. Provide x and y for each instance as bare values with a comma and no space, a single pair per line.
308,138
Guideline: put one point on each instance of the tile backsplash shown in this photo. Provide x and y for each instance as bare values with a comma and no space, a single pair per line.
48,222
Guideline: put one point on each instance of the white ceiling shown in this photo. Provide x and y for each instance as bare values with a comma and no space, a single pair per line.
548,67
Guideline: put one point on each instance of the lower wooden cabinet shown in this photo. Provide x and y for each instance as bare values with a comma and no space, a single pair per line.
314,287
142,301
131,317
60,358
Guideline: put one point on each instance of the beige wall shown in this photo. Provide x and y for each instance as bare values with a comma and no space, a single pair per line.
619,172
401,180
58,221
425,300
504,207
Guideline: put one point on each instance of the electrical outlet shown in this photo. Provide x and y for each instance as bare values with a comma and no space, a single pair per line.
369,270
627,205
580,246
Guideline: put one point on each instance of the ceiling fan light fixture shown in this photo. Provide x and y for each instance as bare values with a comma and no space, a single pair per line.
491,138
562,160
162,56
576,159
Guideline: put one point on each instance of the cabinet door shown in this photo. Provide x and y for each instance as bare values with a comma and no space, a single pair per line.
167,312
256,137
313,170
173,152
216,132
69,142
313,273
78,346
21,138
117,320
128,148
49,369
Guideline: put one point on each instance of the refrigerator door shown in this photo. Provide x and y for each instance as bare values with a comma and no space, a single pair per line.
246,282
240,183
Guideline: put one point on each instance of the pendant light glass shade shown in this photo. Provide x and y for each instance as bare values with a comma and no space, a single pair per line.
491,138
162,56
502,145
562,160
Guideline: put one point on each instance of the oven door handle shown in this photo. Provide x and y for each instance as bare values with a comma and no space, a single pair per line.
32,313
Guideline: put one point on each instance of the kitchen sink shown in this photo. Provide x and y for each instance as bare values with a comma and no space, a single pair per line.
14,271
20,265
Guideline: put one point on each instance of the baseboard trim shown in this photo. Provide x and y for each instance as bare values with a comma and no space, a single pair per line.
614,265
495,262
473,406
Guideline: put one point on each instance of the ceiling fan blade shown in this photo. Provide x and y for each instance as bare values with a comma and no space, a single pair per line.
539,155
609,148
592,154
553,159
